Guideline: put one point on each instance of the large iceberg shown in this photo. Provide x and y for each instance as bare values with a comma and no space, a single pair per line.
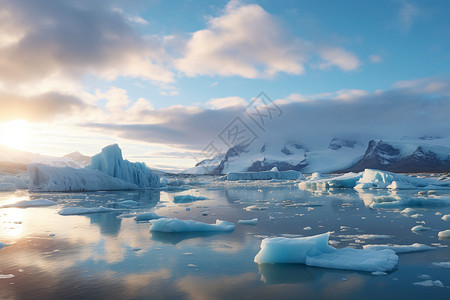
110,162
176,225
315,251
264,175
108,171
375,179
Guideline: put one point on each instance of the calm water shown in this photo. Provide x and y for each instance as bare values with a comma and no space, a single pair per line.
109,256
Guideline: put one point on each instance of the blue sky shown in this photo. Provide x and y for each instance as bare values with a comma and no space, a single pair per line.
78,75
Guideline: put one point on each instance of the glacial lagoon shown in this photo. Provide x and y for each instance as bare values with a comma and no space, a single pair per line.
111,255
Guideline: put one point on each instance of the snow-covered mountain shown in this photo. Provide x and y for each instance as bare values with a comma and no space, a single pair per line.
423,155
12,155
406,155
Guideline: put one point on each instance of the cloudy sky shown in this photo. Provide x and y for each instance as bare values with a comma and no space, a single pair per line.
165,78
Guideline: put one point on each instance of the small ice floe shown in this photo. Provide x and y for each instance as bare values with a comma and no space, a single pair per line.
307,228
446,218
424,276
147,217
443,264
6,276
31,203
86,210
415,216
315,251
444,234
187,198
429,283
416,247
408,211
176,225
249,222
126,216
420,228
255,207
379,273
365,236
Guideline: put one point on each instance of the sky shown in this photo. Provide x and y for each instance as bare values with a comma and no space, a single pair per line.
166,79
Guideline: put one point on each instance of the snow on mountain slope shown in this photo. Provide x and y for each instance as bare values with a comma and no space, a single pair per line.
424,154
408,155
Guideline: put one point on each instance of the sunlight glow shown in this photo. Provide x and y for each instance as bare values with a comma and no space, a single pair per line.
15,134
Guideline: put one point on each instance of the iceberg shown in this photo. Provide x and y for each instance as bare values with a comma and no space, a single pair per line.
30,203
176,225
419,228
108,171
429,283
110,162
374,179
264,175
444,234
315,251
147,217
343,181
249,222
416,247
442,264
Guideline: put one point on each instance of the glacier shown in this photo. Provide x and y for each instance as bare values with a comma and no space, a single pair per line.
107,171
315,251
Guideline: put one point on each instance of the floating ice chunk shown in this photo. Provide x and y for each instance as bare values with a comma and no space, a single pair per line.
316,176
408,211
382,180
343,181
264,175
429,283
424,276
419,228
444,264
416,247
187,198
367,236
255,207
274,169
249,222
446,218
315,251
307,228
176,225
84,210
31,203
415,216
3,245
147,217
6,276
374,179
7,187
444,234
379,273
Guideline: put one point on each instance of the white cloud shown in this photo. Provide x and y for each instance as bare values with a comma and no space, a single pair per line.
376,58
245,41
219,103
338,57
408,13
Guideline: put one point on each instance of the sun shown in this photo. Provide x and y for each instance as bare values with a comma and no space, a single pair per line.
15,134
